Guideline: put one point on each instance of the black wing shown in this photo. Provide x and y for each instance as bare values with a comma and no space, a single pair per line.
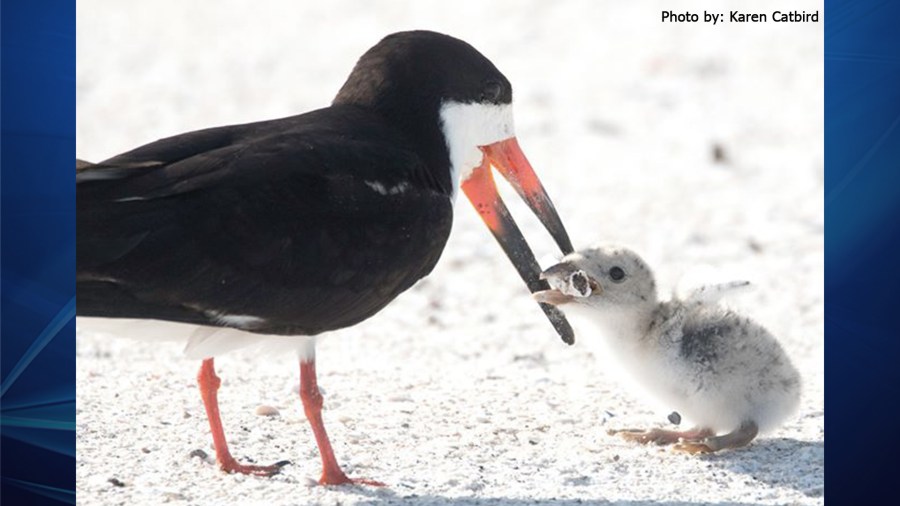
295,223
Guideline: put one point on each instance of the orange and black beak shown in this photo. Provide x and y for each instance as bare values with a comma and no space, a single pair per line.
508,159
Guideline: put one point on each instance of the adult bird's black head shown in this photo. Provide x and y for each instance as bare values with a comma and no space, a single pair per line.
454,104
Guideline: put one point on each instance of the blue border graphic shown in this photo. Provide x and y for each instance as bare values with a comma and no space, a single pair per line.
37,252
862,248
862,207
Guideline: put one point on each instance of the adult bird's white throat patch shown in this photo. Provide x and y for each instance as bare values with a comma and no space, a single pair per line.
468,126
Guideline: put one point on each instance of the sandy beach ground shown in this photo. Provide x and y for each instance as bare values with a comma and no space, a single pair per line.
460,392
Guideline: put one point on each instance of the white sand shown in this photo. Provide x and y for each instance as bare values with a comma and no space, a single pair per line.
459,392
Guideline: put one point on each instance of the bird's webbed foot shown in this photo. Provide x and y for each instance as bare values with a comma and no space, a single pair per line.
660,437
233,466
737,438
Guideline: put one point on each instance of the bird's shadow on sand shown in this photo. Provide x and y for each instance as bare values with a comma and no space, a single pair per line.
430,500
384,497
776,462
779,462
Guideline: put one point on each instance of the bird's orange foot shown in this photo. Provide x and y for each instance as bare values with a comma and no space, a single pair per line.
693,447
661,436
657,436
355,481
342,479
232,466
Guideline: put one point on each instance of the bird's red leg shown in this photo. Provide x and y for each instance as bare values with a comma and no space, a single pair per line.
209,385
312,405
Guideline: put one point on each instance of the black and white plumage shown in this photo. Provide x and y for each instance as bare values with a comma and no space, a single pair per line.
238,221
281,230
319,219
720,370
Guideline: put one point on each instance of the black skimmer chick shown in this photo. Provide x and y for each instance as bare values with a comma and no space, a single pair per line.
311,223
720,370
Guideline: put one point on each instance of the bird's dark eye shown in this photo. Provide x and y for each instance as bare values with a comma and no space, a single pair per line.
490,92
616,274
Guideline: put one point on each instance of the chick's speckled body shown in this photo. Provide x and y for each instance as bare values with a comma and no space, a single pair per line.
718,369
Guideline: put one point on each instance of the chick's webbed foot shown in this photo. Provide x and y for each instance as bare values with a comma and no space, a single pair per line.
661,437
737,438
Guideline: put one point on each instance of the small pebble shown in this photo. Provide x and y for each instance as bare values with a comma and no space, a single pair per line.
754,246
200,453
718,153
265,410
675,418
116,482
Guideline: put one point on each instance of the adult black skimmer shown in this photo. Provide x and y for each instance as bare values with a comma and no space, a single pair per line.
305,224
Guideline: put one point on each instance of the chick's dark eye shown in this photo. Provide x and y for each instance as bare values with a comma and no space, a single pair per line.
616,274
490,92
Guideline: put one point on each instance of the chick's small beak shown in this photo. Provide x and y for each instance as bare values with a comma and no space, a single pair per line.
559,271
552,296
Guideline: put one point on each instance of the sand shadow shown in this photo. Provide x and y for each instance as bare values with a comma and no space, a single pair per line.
502,501
776,462
387,496
779,462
